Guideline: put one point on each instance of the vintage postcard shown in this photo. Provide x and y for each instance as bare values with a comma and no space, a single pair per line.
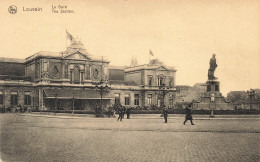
129,80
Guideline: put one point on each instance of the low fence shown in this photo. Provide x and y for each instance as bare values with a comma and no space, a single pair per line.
138,111
182,111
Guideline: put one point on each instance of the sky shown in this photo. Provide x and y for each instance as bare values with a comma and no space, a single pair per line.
180,33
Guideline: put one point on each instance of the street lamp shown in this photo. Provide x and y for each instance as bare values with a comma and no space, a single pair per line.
251,95
56,93
101,88
212,100
163,89
33,99
73,98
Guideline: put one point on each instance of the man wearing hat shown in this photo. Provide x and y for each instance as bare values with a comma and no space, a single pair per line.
165,114
188,115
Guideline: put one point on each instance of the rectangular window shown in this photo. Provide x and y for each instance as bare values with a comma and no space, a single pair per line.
150,80
160,81
82,77
14,98
27,98
117,98
150,99
71,77
45,66
1,98
127,99
87,72
136,99
66,70
208,88
171,99
37,70
170,81
159,103
216,88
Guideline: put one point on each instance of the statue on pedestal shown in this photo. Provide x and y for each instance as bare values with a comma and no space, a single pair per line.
212,67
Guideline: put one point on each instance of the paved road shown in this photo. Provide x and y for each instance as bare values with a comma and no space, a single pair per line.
59,138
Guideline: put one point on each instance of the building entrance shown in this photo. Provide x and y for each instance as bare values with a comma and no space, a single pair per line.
79,104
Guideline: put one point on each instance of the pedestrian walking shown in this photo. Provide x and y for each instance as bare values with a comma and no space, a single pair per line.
188,115
165,115
128,112
123,112
120,113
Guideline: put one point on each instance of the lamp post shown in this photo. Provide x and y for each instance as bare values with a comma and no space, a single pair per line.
73,99
33,100
56,93
101,88
212,100
251,95
163,89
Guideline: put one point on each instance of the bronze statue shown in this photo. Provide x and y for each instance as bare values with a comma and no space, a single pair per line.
212,67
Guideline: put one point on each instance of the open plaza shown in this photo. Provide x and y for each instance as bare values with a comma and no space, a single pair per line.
64,137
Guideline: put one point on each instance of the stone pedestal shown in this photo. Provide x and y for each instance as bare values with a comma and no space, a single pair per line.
212,99
212,86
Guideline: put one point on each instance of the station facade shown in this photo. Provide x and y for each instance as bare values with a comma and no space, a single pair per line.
73,79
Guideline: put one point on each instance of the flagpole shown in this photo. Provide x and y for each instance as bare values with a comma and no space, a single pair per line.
149,57
66,41
66,44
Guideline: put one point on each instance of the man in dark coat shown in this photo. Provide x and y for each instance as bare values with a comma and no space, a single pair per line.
165,114
188,115
123,112
120,113
128,111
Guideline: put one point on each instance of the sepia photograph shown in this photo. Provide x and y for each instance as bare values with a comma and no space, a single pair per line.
130,80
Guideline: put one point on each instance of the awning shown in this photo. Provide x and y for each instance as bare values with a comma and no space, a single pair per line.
76,94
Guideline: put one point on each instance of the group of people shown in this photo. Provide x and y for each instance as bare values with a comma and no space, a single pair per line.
15,109
121,113
122,110
187,117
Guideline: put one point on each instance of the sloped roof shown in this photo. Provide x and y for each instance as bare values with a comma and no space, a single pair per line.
149,67
44,54
14,60
116,74
117,67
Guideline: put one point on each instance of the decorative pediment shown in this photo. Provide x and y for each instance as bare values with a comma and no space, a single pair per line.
76,56
162,68
161,76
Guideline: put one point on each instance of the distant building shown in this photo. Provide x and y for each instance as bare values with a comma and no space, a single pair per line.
187,93
241,99
134,62
155,80
12,68
182,91
236,98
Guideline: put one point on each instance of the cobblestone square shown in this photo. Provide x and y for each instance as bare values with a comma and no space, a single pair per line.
71,138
